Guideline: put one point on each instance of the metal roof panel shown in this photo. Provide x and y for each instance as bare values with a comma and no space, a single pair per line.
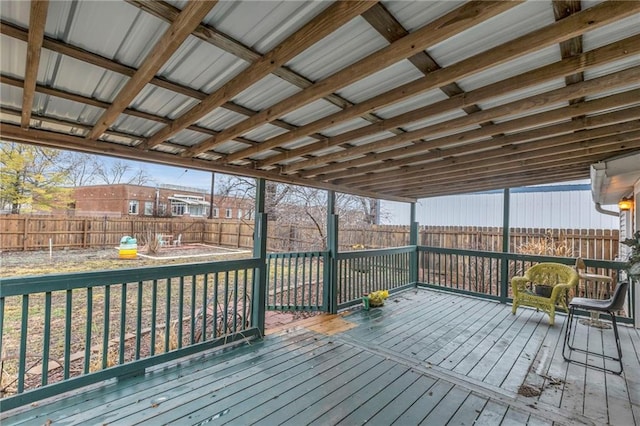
350,43
513,23
389,78
266,92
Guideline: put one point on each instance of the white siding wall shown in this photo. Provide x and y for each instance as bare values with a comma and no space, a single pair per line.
558,209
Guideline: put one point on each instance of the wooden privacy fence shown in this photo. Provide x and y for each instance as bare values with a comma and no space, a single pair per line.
18,233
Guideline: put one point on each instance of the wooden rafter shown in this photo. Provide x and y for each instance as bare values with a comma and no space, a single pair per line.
515,175
605,54
325,23
573,46
100,61
468,15
389,27
566,29
473,140
165,47
37,21
14,133
594,86
498,157
101,104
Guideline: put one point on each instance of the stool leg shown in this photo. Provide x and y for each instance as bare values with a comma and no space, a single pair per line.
567,334
617,337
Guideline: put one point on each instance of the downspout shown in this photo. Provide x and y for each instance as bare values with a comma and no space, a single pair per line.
599,209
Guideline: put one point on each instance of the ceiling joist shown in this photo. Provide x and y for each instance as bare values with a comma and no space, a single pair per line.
560,112
37,21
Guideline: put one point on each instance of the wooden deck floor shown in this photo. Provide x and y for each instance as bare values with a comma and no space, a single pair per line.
424,358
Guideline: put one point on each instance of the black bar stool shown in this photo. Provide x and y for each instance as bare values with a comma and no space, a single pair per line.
611,305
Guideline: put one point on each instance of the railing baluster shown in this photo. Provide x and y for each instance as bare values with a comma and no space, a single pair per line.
245,296
304,279
235,302
105,336
46,338
123,322
154,303
216,282
67,333
318,300
289,282
139,319
193,309
226,303
2,299
282,283
167,318
180,311
295,282
23,342
204,307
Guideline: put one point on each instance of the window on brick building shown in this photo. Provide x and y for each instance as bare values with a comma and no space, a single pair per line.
133,207
148,208
228,214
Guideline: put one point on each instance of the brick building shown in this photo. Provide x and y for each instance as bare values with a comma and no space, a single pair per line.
164,200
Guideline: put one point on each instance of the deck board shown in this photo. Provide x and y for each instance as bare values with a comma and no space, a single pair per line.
424,358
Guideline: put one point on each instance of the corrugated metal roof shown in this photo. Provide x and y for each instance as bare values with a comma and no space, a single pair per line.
93,48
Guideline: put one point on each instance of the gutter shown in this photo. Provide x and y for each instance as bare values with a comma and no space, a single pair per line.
603,211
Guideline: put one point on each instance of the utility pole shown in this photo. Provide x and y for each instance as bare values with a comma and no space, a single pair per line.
213,180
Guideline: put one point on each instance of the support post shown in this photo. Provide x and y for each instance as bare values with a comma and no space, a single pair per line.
330,293
260,251
413,241
504,267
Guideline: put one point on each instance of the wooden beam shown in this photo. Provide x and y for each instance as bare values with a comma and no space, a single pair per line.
101,104
551,170
40,137
464,17
100,61
37,21
594,58
578,172
575,25
564,146
215,37
322,25
571,47
165,47
535,166
354,174
595,86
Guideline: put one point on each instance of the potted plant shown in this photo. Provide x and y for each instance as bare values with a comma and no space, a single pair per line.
633,262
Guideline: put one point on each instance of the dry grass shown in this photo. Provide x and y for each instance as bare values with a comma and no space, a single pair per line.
547,245
166,295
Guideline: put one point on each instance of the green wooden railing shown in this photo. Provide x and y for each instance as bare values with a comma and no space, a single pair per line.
365,271
295,281
60,332
64,331
479,273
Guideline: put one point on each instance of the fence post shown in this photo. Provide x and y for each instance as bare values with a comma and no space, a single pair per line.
330,292
413,241
260,251
504,270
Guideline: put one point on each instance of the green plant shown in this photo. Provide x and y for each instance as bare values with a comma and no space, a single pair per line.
633,263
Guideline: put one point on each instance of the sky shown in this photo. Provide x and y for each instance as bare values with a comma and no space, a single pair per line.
161,174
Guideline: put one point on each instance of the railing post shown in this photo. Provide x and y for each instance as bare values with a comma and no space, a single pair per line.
330,292
260,251
504,261
413,241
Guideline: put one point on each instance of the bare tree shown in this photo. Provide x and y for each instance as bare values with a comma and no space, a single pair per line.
81,168
121,172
